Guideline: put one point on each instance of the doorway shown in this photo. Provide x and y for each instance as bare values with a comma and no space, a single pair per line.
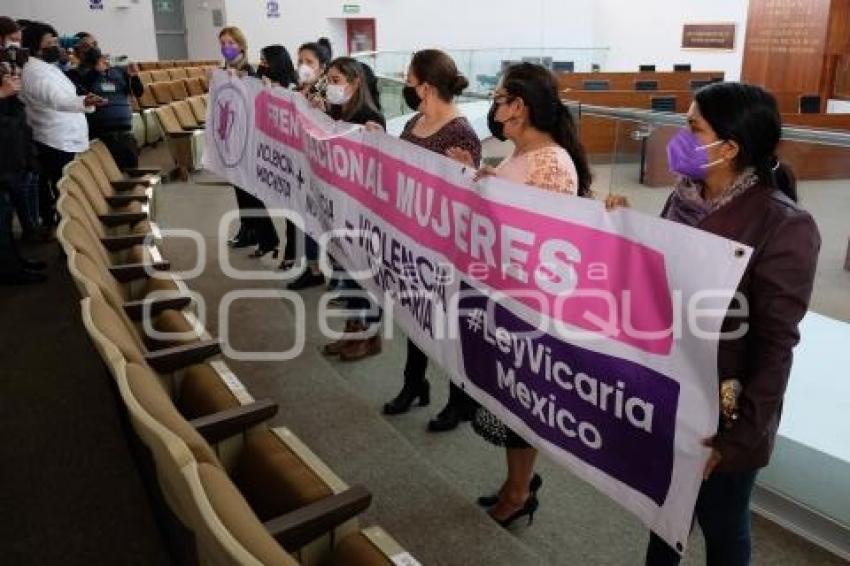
360,33
170,24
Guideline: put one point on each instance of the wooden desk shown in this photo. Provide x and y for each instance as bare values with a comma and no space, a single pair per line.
626,81
606,136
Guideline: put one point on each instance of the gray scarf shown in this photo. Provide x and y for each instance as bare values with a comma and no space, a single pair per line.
687,205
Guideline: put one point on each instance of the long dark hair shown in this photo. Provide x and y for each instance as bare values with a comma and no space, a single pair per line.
372,83
436,68
352,70
321,49
280,67
538,89
749,116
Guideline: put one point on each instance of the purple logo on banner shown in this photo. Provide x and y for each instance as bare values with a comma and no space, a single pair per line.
616,415
272,9
230,124
96,4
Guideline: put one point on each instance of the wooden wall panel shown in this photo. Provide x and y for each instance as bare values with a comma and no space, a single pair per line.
626,81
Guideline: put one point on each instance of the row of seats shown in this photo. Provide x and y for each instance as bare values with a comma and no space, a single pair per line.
159,93
174,74
247,493
151,65
182,125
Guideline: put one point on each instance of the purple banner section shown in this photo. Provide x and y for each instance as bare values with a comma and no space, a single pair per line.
615,415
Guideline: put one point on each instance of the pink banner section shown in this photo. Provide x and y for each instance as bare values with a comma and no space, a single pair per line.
278,118
593,280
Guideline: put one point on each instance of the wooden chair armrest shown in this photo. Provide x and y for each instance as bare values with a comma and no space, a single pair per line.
183,134
120,200
121,218
132,271
230,422
297,528
137,309
171,359
142,171
115,243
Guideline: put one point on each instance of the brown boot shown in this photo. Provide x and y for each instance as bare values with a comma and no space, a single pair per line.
359,349
334,348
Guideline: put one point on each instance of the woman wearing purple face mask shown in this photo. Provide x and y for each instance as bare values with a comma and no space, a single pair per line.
256,227
732,184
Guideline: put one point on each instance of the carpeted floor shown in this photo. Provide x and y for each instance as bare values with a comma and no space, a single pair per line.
70,489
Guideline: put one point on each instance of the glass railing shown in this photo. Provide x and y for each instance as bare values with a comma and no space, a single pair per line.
483,67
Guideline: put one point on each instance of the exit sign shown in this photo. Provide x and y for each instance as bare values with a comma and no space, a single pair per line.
351,8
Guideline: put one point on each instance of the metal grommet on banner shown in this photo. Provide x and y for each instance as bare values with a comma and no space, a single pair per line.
739,252
679,547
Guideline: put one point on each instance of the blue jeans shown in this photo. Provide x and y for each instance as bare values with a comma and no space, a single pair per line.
723,514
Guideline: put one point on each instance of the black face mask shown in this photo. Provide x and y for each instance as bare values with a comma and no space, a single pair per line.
411,98
51,54
496,128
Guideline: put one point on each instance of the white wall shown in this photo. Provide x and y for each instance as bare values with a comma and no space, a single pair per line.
202,36
650,31
128,31
644,31
636,32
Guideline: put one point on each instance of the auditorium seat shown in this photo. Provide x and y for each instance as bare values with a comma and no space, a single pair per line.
682,68
139,175
563,66
162,92
178,90
186,146
185,115
196,72
199,108
148,100
271,462
178,73
118,193
160,76
111,211
646,68
194,86
145,77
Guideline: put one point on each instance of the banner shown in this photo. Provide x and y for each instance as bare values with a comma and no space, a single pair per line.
591,334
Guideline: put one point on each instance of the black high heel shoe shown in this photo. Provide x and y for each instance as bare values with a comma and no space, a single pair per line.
260,252
530,507
403,401
533,487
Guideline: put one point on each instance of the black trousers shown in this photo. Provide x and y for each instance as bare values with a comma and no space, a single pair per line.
414,374
51,161
122,146
258,220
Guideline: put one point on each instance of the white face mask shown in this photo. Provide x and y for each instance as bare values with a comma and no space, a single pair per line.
15,44
336,94
306,74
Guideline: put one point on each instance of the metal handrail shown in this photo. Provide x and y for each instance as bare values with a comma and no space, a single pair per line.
789,133
834,138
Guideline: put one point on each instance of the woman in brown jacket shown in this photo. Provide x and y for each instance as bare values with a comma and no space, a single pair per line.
733,185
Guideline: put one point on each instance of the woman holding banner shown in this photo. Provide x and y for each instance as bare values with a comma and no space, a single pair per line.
432,84
349,98
548,155
313,60
256,227
733,185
